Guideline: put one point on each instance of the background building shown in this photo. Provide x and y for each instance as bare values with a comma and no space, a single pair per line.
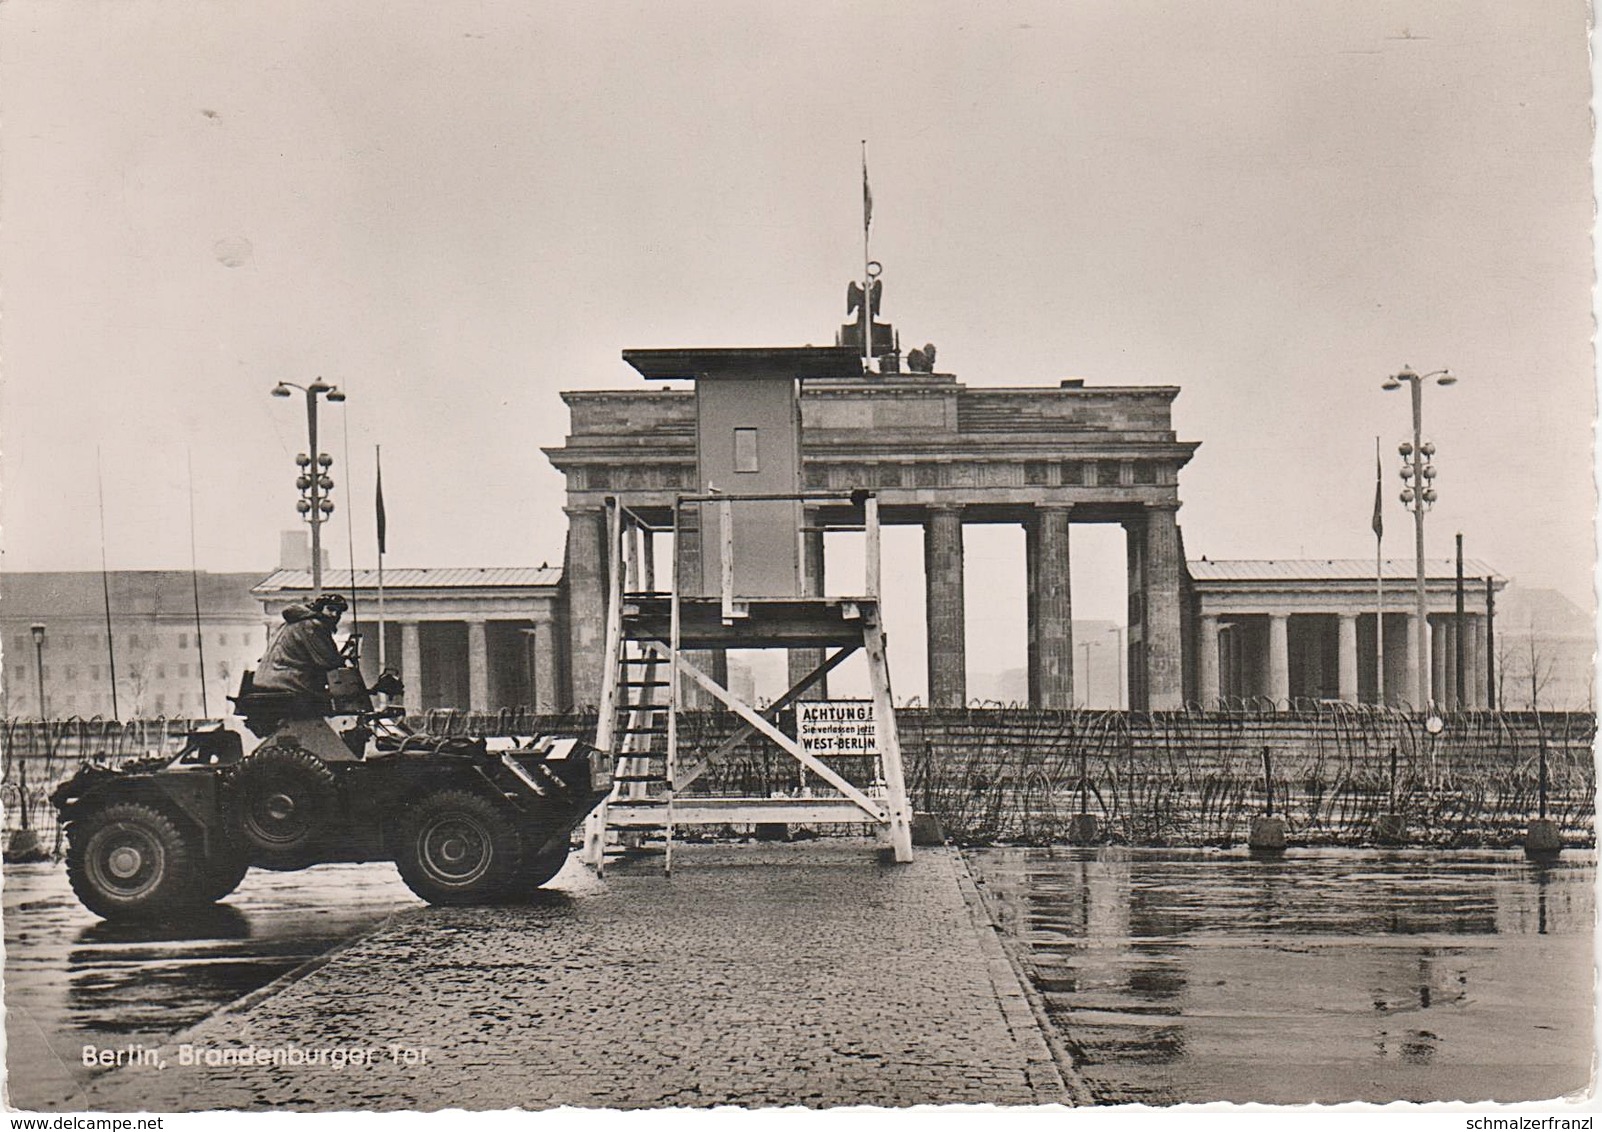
1305,629
482,638
1545,651
160,656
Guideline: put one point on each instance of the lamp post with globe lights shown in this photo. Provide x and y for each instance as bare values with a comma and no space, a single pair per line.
314,481
1418,474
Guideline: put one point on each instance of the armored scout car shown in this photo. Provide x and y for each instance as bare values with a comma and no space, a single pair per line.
466,820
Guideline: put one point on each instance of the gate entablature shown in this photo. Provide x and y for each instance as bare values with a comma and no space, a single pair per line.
939,454
916,440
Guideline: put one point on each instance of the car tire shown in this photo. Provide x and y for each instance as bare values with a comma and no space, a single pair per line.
459,847
279,806
131,861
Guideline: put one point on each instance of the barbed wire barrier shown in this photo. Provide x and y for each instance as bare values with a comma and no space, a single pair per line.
1017,775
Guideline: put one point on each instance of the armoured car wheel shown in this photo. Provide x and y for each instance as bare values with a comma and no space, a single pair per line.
222,873
458,847
128,860
279,805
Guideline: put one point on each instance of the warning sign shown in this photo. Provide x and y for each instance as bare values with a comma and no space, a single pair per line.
836,727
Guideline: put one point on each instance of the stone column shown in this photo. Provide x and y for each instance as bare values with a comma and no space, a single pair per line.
1165,662
692,583
1031,528
412,664
1476,661
1278,658
584,576
803,661
1207,663
1449,662
477,666
1051,630
1408,690
545,697
1348,657
942,577
1439,690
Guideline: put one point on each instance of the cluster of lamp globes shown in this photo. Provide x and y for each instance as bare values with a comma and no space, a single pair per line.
1424,490
324,484
314,483
1417,473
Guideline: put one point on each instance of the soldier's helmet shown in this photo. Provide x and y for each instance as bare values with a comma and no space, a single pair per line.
331,605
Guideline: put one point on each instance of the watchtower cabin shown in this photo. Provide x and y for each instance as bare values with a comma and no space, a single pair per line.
737,581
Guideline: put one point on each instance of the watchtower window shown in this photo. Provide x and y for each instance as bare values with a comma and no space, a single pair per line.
745,450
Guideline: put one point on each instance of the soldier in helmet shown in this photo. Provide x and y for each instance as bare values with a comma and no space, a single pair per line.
301,653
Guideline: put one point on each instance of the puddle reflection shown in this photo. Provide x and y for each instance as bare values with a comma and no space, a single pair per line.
1192,975
74,980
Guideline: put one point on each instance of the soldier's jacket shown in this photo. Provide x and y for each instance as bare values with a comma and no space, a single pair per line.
299,656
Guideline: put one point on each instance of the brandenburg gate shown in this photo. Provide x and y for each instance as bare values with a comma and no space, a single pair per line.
938,454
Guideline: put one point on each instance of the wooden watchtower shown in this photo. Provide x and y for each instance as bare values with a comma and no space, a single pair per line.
736,582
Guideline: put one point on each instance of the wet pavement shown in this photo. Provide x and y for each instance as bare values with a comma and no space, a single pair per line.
72,979
1324,976
755,975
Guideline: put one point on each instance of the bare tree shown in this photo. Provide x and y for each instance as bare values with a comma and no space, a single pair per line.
1523,662
1540,668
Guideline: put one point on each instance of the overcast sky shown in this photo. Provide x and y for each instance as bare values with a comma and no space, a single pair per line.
456,210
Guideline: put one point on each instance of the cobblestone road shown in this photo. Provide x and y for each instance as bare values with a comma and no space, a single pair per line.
756,975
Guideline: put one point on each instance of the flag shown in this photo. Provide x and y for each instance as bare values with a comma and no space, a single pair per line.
867,193
383,524
1379,494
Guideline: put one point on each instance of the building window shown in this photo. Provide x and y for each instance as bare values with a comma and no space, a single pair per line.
183,671
745,450
222,670
133,640
94,672
183,640
161,705
161,672
72,672
222,638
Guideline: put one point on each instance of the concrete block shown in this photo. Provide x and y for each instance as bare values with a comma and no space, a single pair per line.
1543,838
1082,829
926,830
1391,829
1267,835
25,848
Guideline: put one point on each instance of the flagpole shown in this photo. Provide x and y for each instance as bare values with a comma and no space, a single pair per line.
1379,583
194,585
105,587
867,279
350,539
378,464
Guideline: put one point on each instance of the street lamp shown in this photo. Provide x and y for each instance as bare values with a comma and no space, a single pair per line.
314,481
1418,495
38,632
